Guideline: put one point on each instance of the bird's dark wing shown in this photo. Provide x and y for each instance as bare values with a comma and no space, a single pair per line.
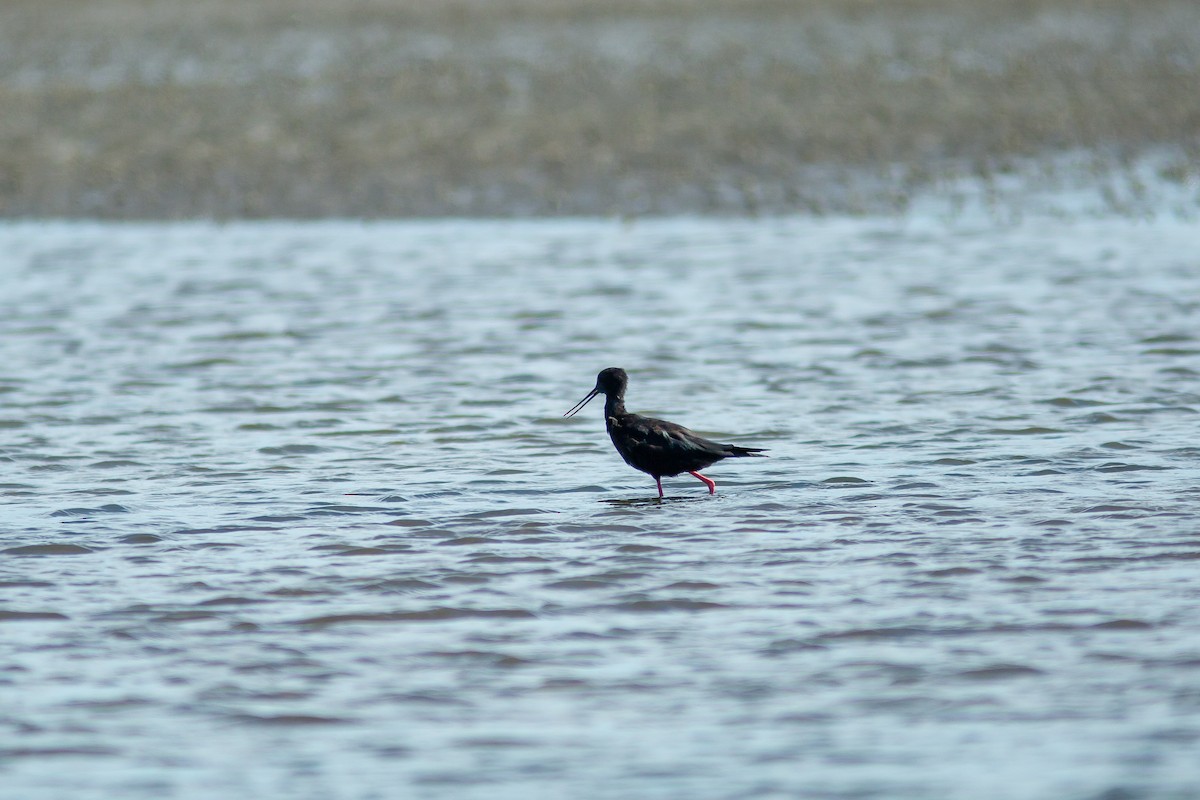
665,448
707,445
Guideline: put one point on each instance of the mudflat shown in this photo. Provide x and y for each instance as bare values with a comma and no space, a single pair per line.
166,109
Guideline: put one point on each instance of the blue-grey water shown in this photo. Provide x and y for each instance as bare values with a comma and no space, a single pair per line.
290,510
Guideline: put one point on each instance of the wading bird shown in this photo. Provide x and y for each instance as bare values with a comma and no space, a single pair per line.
656,447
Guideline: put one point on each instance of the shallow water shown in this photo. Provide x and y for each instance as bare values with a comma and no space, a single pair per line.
291,510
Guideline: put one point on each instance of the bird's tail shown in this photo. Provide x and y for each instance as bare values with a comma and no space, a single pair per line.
751,452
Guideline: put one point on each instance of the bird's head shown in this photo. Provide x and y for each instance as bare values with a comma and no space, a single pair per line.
610,383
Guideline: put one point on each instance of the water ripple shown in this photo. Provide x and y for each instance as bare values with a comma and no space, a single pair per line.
294,506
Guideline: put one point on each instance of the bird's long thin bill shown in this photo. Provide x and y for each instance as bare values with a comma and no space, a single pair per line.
575,408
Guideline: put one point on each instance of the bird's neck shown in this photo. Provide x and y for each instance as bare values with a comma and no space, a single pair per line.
614,405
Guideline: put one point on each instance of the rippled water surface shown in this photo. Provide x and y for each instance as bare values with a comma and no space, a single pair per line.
290,510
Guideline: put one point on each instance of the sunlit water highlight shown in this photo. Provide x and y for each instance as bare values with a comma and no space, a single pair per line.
291,510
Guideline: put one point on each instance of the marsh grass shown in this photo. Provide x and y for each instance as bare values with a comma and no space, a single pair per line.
299,108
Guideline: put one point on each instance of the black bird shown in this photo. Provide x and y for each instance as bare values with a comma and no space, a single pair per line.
654,446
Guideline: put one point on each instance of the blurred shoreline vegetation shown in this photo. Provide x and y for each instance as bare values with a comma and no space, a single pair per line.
175,109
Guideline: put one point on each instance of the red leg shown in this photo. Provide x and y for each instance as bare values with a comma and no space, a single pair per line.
709,482
659,482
